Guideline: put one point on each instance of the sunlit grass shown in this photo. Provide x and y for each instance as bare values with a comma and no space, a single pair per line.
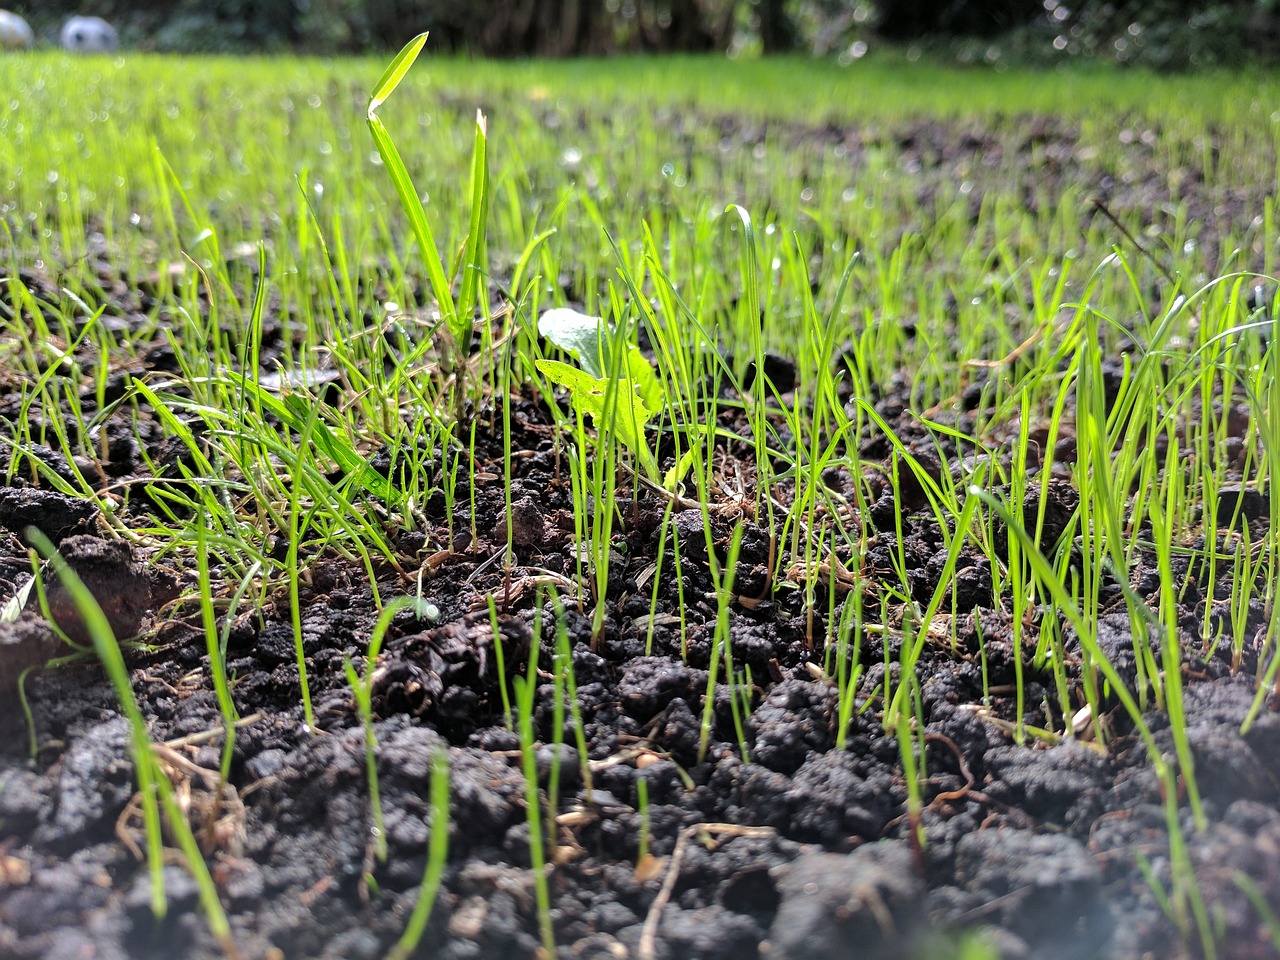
962,272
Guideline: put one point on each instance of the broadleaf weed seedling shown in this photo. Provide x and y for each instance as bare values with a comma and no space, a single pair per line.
614,384
617,387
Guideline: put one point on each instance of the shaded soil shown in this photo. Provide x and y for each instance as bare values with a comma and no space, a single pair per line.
764,839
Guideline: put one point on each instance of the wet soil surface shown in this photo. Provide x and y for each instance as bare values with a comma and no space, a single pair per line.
775,829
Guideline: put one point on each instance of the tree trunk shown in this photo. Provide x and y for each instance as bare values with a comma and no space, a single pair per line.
777,30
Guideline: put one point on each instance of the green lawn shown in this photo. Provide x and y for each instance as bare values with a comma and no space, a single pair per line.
975,274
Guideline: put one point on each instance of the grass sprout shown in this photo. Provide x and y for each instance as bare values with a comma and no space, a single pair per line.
153,785
878,366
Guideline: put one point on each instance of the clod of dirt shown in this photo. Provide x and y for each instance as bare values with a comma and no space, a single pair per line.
649,684
1061,500
115,578
1228,766
1238,504
528,527
1115,637
1064,785
909,493
1246,844
795,718
705,932
55,515
53,460
780,371
677,730
867,904
24,799
837,795
447,673
25,642
95,781
690,535
1044,889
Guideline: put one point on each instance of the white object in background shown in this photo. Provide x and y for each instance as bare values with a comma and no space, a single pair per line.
89,35
15,33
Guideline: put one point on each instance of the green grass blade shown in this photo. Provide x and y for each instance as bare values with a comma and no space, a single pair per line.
395,71
409,197
412,205
108,650
153,786
473,270
437,855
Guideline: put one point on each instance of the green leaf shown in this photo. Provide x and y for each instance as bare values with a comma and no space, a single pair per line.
395,71
472,268
638,393
12,610
587,340
412,206
591,396
641,372
295,410
568,376
406,192
577,334
671,479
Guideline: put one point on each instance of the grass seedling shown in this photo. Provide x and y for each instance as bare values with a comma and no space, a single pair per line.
433,870
911,771
1259,900
292,569
642,808
500,657
153,786
457,313
848,665
215,649
750,333
526,687
913,642
362,691
564,659
560,668
32,745
722,577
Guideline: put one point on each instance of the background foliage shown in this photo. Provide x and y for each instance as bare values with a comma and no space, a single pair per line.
1168,34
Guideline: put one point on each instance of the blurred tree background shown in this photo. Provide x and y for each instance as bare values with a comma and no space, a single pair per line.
1160,33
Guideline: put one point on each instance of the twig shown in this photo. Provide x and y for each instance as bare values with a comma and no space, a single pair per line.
1160,268
205,736
649,931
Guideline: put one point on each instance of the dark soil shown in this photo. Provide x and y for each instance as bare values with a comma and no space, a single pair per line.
796,850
